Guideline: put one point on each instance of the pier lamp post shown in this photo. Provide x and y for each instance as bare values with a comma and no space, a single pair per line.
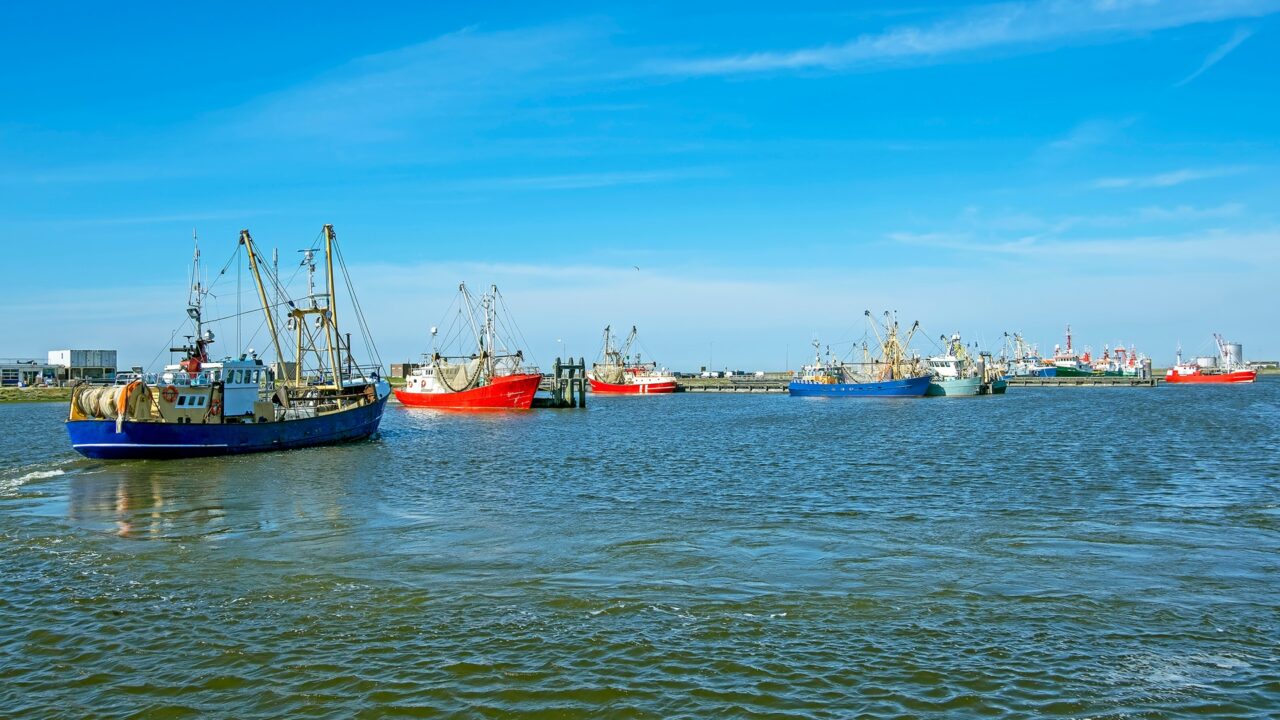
560,342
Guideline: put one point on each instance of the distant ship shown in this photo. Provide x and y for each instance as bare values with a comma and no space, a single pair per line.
1121,362
891,374
1068,364
202,407
621,373
1227,367
1026,360
957,373
490,377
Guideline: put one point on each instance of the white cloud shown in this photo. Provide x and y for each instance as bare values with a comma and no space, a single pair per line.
423,88
1090,133
1165,179
1240,35
1202,247
1189,212
1006,25
581,181
755,320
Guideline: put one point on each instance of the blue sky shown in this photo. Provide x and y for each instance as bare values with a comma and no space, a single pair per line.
772,173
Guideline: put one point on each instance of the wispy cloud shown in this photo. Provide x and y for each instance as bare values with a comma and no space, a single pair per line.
1090,133
1026,25
1240,35
429,86
1189,212
581,181
1194,246
1163,180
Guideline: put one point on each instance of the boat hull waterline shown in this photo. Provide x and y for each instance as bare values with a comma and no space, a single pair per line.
641,388
99,440
507,392
1238,376
909,387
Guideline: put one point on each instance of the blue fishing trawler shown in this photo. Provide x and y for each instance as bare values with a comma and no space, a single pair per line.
1025,360
202,407
892,374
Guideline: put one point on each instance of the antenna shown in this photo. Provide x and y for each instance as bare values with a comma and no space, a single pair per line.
309,262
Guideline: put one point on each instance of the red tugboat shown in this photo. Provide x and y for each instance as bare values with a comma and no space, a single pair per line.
621,374
490,378
1228,367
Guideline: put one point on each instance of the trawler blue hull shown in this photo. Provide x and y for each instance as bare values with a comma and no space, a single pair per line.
98,439
910,387
1046,371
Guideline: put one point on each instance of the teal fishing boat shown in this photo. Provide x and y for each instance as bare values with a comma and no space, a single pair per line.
958,373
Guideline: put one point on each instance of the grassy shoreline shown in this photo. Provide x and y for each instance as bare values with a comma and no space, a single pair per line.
34,395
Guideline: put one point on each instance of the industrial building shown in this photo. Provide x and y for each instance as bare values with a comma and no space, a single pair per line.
25,372
402,370
84,364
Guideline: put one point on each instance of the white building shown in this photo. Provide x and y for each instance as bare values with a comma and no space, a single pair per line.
25,372
84,364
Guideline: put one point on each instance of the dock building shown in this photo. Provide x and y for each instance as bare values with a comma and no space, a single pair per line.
25,372
84,364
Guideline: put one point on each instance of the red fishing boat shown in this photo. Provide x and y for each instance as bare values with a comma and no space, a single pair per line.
619,373
1227,367
492,377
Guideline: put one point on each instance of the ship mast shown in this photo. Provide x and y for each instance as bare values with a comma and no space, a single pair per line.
195,299
195,309
1223,352
626,345
489,302
332,338
247,240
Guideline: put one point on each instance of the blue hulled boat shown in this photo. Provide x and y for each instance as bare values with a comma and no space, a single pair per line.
893,374
1026,360
200,407
166,441
910,387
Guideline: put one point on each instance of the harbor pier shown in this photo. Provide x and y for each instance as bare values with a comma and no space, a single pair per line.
745,384
1084,381
567,385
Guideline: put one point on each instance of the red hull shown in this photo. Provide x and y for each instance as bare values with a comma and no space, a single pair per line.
1241,376
510,392
656,388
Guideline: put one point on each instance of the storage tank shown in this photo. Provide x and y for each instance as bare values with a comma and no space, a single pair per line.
1207,361
1235,354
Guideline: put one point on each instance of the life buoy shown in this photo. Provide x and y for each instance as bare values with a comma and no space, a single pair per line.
170,393
215,408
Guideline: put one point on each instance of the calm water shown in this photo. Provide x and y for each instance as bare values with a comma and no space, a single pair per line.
1076,553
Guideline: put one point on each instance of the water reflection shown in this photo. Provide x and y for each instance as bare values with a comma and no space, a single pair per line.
265,495
148,504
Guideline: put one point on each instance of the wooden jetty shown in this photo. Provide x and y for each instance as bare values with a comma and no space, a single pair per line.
746,384
567,385
1084,381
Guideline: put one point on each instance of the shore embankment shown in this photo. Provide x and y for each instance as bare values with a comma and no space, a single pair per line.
35,394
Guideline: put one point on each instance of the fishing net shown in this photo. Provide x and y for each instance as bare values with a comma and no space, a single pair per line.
611,374
457,377
104,402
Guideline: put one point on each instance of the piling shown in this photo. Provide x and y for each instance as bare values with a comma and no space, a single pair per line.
567,385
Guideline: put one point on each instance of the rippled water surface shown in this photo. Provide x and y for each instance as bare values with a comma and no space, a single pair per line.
1097,553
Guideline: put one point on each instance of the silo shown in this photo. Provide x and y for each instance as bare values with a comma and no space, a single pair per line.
1207,361
1235,354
